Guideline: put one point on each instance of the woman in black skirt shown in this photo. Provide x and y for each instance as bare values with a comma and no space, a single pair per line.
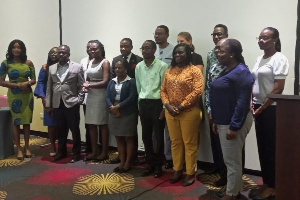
123,117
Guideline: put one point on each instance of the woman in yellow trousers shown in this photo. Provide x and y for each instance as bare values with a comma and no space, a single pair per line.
180,92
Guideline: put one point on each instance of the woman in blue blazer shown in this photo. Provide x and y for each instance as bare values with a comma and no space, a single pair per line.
122,102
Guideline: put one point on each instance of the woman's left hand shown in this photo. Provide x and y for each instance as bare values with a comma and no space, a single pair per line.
86,85
231,134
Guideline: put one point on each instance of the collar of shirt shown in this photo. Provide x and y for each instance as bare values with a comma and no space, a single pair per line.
65,65
145,65
128,57
126,79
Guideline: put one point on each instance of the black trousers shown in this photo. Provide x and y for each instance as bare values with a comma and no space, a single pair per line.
265,126
67,117
87,134
149,110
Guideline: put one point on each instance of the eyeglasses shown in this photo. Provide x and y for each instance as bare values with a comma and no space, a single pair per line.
264,38
158,34
145,48
216,34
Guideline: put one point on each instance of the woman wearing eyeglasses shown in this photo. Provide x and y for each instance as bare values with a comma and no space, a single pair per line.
270,71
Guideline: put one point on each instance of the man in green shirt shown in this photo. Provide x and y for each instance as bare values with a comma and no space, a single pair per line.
149,75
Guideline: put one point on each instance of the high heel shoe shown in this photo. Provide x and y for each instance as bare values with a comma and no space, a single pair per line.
20,157
28,156
176,176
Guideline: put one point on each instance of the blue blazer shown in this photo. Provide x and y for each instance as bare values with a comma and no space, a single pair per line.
128,96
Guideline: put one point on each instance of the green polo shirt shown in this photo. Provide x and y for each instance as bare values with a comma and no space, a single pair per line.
149,79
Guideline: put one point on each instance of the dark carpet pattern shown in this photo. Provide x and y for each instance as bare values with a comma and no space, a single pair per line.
41,179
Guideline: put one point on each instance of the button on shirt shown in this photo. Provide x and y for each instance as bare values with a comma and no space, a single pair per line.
118,86
149,79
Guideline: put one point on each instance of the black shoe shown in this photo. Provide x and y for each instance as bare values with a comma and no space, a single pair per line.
122,170
176,176
189,180
169,164
75,159
221,182
148,171
254,193
89,158
117,169
115,161
220,195
158,173
59,157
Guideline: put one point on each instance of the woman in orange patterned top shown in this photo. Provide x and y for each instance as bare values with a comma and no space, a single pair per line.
180,92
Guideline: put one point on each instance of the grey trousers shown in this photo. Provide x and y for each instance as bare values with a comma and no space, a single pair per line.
232,154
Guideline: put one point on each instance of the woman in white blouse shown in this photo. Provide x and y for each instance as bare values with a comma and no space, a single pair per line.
270,71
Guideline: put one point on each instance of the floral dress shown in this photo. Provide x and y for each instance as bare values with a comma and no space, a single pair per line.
20,102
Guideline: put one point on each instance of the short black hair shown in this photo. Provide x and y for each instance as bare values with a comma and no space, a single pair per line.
188,51
222,26
128,40
23,55
165,28
153,44
66,46
124,62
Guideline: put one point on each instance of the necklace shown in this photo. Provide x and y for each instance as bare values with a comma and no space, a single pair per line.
177,73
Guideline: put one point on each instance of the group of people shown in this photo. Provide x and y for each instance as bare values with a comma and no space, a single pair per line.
164,88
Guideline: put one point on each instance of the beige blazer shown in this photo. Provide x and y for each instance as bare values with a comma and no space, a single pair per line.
69,90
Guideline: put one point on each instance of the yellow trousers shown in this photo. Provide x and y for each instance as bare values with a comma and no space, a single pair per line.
184,136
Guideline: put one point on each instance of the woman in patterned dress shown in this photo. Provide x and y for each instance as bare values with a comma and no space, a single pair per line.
40,92
21,76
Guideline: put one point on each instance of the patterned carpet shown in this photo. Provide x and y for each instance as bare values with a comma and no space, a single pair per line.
41,179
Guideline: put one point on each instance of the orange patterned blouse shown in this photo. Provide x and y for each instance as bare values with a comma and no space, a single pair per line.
182,86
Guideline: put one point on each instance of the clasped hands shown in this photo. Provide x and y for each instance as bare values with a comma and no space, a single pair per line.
115,110
173,110
24,86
